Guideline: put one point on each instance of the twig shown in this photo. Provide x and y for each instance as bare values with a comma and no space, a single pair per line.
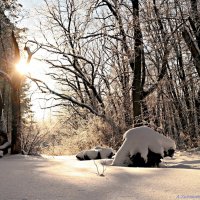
97,168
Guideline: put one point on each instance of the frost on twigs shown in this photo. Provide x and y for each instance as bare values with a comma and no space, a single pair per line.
143,147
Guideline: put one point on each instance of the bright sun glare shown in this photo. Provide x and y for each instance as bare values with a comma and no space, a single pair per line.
23,68
34,69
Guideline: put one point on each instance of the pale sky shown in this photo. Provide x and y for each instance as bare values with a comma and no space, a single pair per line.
39,68
27,4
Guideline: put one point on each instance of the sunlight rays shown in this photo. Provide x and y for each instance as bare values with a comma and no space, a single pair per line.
35,68
23,68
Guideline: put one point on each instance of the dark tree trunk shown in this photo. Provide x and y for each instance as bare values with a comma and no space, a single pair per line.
126,105
16,122
15,101
3,132
197,104
195,20
136,65
193,48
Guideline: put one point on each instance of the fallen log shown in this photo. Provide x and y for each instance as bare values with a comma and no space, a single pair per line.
1,154
4,148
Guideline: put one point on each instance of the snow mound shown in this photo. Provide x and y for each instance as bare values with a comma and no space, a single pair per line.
143,140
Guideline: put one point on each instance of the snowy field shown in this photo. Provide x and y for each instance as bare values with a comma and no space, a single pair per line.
66,178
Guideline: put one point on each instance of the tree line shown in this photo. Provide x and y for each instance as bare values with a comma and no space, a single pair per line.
128,62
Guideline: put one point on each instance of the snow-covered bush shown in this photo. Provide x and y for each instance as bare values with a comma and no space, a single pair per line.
96,153
142,147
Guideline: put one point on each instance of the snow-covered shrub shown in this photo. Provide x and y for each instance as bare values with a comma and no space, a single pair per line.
142,147
96,153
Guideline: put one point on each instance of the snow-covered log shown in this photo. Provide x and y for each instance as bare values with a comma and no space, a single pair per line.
143,147
1,154
96,153
4,148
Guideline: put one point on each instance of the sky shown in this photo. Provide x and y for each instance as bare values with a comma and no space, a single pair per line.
28,4
38,68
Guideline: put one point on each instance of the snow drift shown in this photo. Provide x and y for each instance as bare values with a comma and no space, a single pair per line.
144,146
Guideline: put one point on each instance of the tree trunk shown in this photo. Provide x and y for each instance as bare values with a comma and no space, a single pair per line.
195,51
16,122
126,105
3,132
15,101
136,65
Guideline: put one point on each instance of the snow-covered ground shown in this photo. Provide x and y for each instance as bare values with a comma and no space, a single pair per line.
66,178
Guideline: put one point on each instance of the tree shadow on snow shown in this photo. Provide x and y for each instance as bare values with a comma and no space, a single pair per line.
185,164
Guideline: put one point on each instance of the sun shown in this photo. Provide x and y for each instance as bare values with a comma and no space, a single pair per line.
35,68
22,67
